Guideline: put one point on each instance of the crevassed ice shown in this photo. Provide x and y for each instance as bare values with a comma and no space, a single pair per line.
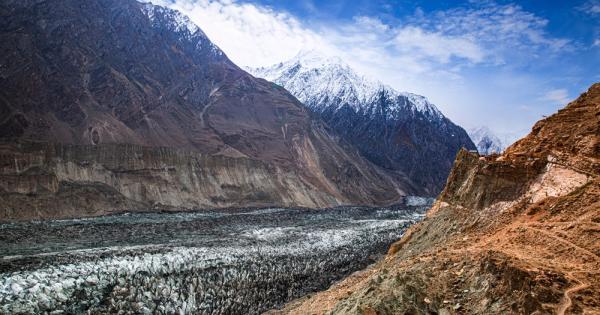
417,201
33,291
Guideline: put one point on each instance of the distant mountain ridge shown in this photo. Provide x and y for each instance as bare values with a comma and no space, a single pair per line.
131,107
322,82
486,141
402,132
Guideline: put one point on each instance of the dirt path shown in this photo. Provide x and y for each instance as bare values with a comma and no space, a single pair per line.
566,301
564,241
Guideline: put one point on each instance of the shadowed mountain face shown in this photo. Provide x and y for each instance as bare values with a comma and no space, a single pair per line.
401,132
121,71
99,73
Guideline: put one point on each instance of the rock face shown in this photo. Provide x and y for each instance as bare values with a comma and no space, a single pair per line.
486,141
78,78
515,233
400,132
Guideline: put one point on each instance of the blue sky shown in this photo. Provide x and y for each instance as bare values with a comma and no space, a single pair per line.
502,64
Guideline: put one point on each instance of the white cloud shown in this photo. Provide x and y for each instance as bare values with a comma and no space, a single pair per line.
254,35
597,42
591,7
463,59
250,35
502,30
560,96
440,47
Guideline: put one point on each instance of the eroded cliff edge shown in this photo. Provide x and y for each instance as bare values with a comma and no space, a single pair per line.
515,233
41,180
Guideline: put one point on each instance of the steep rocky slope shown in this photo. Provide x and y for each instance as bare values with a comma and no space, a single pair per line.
515,233
401,132
78,78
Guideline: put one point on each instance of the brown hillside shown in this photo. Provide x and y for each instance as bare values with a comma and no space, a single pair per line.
517,233
112,105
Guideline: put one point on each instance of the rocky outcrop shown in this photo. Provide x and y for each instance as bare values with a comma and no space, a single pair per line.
513,233
79,78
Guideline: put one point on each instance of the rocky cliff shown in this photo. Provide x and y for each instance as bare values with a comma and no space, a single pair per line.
515,233
110,105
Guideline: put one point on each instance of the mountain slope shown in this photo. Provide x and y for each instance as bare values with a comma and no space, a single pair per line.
401,132
87,76
510,234
485,140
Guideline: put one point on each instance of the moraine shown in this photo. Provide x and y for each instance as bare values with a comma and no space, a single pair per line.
216,262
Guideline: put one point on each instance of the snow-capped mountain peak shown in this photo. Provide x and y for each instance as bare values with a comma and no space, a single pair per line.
485,140
328,83
400,132
179,23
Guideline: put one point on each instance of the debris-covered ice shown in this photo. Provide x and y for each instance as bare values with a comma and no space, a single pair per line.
237,262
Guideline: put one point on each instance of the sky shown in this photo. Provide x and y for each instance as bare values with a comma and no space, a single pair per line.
499,64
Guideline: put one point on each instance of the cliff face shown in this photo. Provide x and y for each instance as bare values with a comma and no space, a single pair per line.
40,180
91,75
513,233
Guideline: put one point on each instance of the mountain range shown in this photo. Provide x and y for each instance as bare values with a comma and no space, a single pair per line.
119,105
486,141
401,132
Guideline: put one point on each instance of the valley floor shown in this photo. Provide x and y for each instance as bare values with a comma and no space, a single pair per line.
217,262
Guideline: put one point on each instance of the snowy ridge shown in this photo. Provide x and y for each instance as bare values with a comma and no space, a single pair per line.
322,82
486,141
178,23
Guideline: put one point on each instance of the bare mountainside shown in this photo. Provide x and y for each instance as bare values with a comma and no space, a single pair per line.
119,105
515,233
401,132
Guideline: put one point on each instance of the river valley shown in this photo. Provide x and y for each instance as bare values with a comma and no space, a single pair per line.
210,262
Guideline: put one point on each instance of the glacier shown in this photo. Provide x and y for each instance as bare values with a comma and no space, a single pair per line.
227,262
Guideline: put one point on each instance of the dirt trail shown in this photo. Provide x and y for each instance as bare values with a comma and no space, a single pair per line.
564,241
566,301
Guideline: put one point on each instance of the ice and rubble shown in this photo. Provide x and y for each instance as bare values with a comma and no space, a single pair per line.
242,262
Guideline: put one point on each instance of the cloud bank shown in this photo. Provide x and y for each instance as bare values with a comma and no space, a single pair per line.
468,60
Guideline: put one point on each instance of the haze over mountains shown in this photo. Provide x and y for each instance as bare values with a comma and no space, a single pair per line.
401,132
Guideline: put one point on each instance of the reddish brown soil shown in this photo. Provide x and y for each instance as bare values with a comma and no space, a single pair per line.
517,233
